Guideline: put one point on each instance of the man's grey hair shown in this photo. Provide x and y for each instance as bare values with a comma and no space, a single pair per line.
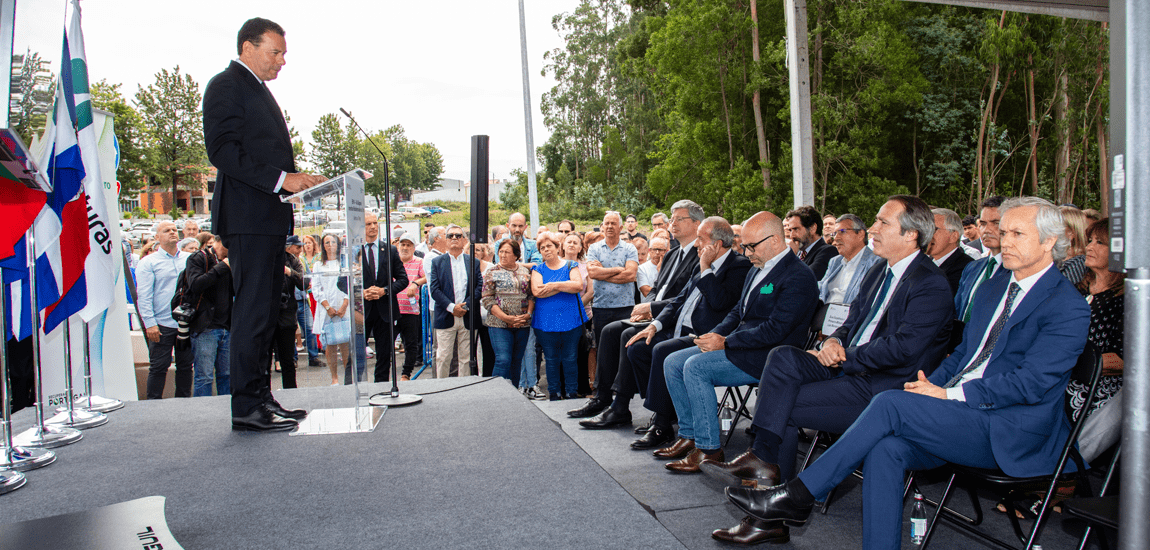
451,225
950,219
658,215
433,235
692,208
1048,219
720,230
856,222
613,213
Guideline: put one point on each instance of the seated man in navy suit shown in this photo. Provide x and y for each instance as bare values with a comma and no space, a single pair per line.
898,325
775,307
996,402
706,300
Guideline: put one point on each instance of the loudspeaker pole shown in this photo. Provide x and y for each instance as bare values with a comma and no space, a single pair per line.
532,192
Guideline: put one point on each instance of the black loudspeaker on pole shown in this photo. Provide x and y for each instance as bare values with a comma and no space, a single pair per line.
480,153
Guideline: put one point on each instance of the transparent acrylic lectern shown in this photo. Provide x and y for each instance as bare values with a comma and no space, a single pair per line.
337,278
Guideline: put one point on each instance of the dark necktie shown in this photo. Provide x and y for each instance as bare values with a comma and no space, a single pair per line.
970,299
991,338
371,258
874,307
803,254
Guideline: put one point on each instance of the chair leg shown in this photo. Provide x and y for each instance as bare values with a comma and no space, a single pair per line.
938,511
827,503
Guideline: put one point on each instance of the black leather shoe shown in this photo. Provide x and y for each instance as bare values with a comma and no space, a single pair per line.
770,504
263,420
655,437
607,419
746,470
592,408
276,408
752,531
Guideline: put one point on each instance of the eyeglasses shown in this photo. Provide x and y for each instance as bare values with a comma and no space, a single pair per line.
750,247
841,231
679,219
454,236
658,250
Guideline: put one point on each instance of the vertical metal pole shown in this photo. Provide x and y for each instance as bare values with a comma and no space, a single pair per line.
802,143
95,403
15,458
532,193
1134,505
41,435
69,415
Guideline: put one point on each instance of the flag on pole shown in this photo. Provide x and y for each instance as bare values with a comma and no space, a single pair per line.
17,293
18,210
101,266
61,229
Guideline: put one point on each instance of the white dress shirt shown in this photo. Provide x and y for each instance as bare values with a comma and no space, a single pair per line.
692,302
898,269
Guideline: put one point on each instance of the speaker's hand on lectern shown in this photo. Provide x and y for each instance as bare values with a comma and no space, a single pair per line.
294,183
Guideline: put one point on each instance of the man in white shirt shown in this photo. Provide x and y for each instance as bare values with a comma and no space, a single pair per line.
456,272
156,277
845,272
996,402
945,248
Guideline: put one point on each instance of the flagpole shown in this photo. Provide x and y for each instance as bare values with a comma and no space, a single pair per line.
41,435
95,403
14,459
69,415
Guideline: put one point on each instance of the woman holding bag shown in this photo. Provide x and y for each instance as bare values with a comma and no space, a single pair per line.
332,322
509,304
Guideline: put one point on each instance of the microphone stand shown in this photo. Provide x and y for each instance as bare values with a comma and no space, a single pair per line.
392,398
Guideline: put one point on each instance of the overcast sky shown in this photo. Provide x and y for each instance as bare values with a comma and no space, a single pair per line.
444,70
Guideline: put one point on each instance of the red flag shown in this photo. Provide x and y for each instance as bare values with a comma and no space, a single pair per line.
18,209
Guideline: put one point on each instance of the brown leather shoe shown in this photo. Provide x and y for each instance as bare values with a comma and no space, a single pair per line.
747,470
690,463
752,531
678,449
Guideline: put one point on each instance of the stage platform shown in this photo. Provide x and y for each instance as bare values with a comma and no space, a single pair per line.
476,465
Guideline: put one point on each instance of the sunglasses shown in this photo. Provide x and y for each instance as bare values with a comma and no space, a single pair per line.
454,236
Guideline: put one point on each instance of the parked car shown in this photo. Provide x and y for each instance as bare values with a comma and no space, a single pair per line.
397,216
414,212
437,209
337,227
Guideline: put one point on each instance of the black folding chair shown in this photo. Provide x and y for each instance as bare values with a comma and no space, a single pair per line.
739,400
1087,371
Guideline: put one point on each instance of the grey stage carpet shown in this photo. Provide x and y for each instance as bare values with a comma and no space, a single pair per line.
691,506
476,467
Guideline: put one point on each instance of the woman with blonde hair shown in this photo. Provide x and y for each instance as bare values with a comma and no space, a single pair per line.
1074,266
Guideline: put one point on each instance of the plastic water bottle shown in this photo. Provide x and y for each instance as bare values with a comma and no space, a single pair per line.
726,420
917,520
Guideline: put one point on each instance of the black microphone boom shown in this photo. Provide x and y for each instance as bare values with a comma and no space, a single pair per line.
395,399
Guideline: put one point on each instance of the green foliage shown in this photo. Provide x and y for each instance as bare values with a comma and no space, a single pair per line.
171,110
138,212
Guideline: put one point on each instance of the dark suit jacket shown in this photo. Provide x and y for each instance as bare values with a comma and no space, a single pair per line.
247,140
675,280
953,267
443,290
913,333
374,309
1023,385
777,313
819,257
719,293
971,274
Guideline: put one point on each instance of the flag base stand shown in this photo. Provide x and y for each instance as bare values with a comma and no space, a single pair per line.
47,437
98,404
10,481
22,459
79,419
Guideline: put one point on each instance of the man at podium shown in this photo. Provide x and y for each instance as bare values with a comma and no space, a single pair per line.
248,142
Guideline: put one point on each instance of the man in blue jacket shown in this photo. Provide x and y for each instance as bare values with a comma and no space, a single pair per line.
775,307
898,326
993,403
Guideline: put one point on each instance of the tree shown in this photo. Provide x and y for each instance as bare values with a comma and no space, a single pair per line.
172,113
130,136
32,90
414,166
